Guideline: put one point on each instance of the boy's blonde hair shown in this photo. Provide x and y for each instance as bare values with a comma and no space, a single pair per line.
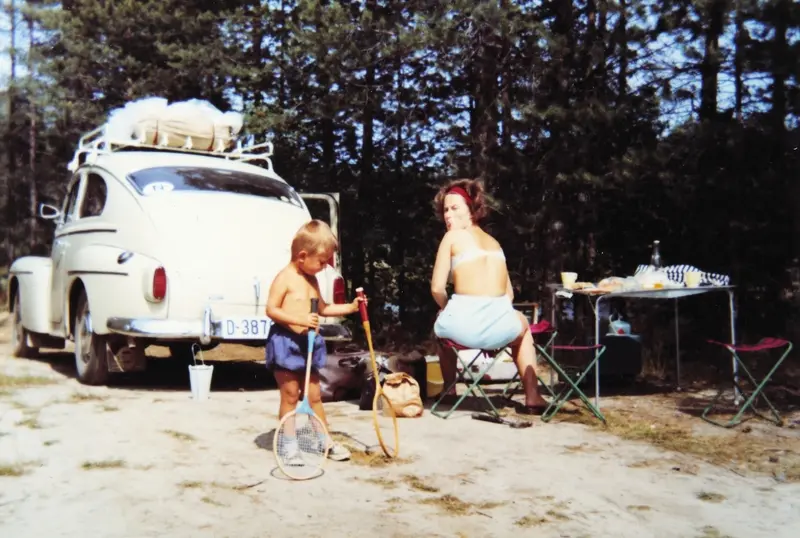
314,237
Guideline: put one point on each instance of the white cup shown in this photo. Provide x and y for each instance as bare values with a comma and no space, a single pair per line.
692,279
568,279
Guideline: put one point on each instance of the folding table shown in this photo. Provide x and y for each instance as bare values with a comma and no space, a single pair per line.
675,294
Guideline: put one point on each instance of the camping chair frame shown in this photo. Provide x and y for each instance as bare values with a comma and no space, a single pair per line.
763,345
572,384
468,377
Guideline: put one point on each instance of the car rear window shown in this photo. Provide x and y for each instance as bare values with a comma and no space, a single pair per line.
188,178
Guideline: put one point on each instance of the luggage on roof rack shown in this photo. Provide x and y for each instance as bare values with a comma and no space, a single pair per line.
192,126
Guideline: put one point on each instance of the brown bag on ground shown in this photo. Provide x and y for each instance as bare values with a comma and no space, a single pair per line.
403,391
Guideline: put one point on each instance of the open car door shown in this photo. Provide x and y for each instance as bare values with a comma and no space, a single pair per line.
325,206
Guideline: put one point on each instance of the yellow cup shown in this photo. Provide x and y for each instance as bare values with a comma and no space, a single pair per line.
568,279
692,279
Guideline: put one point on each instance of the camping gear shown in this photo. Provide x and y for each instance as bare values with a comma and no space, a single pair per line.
469,372
383,415
200,375
342,376
300,444
578,373
736,351
404,394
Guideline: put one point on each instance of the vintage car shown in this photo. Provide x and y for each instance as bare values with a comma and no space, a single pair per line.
162,245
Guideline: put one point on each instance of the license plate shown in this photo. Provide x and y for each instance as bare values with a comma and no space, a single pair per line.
245,328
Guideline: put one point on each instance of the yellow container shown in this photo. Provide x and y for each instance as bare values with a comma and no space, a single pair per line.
435,383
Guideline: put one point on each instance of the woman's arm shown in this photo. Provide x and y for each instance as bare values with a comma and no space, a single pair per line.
441,270
510,289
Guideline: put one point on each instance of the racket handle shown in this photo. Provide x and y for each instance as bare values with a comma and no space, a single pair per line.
362,307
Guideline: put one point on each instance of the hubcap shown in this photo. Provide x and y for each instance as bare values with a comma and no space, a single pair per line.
84,343
19,332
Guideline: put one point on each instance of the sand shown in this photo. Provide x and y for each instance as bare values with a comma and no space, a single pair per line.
142,459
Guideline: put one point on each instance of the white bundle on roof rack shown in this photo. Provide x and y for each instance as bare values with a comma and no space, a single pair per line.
192,124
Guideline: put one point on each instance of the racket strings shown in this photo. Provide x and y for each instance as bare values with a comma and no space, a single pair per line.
301,445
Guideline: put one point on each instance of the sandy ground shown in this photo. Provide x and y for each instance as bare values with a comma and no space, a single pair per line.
142,459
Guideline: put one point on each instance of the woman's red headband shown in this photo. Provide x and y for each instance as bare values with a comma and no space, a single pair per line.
461,192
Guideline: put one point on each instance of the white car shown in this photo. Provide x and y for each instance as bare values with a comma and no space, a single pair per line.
161,245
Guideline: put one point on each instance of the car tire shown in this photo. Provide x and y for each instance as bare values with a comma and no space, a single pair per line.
19,334
90,348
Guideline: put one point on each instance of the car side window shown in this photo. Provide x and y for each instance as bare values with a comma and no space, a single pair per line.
94,198
72,198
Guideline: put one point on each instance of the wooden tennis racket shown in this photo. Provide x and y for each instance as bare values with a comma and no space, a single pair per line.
300,444
383,415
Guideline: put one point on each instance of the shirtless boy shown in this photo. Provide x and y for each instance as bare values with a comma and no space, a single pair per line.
288,305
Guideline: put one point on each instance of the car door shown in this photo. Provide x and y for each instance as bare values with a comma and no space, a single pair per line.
325,206
63,236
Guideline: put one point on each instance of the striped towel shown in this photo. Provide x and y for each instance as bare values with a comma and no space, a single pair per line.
677,273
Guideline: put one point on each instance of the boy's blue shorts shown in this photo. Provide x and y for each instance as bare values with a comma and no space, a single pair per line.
289,350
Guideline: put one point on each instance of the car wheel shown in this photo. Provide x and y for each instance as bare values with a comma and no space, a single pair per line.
90,348
19,335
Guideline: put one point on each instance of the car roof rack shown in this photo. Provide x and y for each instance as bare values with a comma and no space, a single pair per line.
98,142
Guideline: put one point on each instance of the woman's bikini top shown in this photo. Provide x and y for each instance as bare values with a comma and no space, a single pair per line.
472,253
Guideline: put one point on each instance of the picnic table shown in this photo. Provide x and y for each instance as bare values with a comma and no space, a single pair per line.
674,294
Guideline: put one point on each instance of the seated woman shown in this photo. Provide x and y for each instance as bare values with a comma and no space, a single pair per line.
480,314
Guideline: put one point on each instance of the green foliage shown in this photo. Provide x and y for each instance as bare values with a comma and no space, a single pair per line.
597,125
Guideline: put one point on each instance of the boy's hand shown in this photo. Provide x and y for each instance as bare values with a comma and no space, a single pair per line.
357,301
313,321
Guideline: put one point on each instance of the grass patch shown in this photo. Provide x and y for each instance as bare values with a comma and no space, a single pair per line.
711,497
208,500
727,449
190,484
104,464
381,481
9,383
530,521
639,508
555,514
13,470
180,436
453,506
372,458
711,532
31,422
109,408
85,397
51,442
416,483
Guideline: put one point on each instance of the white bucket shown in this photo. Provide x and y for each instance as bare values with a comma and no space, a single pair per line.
200,376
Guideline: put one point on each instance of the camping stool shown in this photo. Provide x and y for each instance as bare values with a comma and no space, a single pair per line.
763,345
471,376
572,382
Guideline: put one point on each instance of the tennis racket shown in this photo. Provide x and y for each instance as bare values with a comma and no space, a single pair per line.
383,415
300,444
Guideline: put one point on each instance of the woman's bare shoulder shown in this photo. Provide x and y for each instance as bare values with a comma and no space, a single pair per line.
488,242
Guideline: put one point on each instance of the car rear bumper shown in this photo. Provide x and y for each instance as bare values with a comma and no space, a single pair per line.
204,330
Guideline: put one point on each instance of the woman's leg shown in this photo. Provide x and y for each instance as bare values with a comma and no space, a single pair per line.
447,362
525,357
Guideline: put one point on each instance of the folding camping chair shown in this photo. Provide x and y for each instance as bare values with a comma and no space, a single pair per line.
763,345
572,382
471,375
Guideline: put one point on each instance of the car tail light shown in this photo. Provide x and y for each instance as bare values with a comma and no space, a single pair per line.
339,293
159,284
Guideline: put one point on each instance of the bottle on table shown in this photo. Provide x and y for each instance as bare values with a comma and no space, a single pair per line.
655,258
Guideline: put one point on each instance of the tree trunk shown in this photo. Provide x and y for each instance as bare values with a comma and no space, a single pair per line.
11,145
32,189
738,60
712,59
622,41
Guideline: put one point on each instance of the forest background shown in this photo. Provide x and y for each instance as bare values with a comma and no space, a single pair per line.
598,126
